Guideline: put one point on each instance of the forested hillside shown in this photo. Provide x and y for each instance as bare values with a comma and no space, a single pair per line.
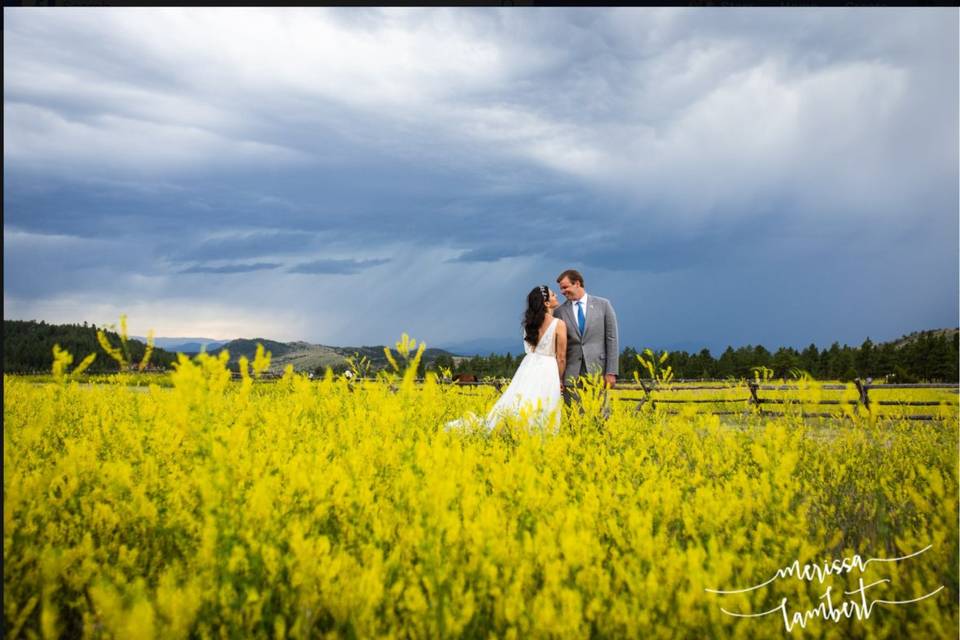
28,347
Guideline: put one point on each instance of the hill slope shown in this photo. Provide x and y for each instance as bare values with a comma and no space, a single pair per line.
918,335
28,347
311,357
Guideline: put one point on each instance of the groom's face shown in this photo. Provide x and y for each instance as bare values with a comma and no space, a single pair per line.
571,290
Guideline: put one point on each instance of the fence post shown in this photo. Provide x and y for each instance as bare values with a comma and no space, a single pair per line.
646,396
754,399
862,389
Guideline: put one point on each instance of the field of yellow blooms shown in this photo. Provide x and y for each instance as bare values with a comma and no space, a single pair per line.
221,509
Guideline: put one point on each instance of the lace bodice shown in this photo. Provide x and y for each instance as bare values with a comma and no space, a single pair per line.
547,345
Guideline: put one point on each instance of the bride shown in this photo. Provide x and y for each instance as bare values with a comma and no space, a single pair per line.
535,389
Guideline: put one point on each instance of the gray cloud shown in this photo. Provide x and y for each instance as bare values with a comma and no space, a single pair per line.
483,255
246,245
231,268
336,267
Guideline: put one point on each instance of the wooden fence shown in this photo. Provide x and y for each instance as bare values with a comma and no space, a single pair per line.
754,403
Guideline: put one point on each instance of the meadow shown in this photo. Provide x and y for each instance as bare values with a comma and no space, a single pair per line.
336,508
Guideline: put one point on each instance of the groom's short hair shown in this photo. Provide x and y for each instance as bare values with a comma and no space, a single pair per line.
572,275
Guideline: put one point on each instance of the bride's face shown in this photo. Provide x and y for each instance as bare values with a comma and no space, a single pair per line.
552,302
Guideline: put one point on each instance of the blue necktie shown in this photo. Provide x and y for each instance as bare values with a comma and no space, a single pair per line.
580,318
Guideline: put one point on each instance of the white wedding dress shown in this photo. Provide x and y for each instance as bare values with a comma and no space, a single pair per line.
534,390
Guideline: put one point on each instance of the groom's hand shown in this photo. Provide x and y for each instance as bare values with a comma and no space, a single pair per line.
611,379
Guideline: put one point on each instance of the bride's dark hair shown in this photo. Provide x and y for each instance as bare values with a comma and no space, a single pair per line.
535,313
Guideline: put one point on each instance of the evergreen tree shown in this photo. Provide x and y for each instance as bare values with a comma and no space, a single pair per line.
783,361
628,363
866,359
706,366
727,365
810,360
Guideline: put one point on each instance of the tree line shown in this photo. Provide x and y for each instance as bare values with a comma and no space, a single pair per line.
923,356
926,356
28,347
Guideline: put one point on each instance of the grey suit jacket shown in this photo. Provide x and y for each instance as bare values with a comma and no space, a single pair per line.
598,349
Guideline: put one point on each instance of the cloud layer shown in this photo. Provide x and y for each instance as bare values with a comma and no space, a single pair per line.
344,175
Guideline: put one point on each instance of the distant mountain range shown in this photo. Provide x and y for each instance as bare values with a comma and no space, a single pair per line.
304,356
309,357
304,351
486,346
478,347
184,345
468,348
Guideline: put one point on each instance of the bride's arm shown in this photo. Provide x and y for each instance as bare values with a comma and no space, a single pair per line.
561,348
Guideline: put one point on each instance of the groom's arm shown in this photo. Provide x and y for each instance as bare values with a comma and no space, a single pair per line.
611,340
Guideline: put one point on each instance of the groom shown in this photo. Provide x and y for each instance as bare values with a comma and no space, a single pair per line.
592,344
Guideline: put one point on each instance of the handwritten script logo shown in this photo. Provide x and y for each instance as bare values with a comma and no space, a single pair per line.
827,610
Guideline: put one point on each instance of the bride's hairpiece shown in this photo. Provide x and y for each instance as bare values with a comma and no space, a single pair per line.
545,292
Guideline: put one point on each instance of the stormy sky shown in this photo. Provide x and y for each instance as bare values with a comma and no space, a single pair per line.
341,176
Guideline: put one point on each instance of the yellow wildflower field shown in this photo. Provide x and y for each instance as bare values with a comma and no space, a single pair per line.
220,509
